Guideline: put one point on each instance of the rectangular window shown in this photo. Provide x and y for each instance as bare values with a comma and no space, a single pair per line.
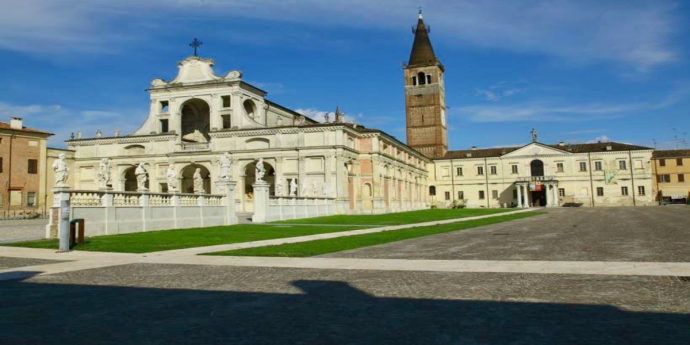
583,166
681,178
561,191
493,169
597,166
559,167
414,81
447,195
226,101
164,126
623,165
664,178
600,191
480,170
640,190
226,121
461,195
514,169
624,191
33,166
31,199
1,165
679,162
458,171
428,78
494,194
481,195
638,164
662,162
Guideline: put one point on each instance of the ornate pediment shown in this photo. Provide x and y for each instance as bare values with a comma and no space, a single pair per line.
536,149
195,70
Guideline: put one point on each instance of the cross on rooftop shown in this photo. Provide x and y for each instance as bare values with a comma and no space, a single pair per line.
195,44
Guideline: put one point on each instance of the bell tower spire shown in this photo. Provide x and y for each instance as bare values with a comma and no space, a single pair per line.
425,96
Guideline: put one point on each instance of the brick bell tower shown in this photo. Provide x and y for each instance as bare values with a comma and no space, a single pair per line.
425,96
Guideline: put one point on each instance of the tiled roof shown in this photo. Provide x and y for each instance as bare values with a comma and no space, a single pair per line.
671,153
574,148
5,125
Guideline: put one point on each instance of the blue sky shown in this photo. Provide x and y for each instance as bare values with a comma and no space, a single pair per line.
576,70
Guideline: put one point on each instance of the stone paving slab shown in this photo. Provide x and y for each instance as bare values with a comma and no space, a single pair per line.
22,230
183,304
641,234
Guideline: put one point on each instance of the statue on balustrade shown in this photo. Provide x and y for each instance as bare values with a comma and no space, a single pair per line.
279,187
61,171
198,182
293,187
105,171
171,175
260,170
142,177
225,167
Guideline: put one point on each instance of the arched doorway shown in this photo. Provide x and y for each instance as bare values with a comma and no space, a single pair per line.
130,180
187,178
195,120
250,178
537,189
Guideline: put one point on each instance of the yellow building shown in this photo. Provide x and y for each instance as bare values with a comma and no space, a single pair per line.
672,171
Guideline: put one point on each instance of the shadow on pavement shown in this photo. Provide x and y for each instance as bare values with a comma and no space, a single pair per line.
325,313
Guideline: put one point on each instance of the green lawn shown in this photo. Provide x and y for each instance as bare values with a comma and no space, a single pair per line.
399,218
319,247
146,242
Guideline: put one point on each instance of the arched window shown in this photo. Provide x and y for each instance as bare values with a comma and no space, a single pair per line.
421,77
432,190
537,167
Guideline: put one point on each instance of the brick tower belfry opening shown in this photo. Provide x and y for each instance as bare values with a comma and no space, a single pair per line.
425,103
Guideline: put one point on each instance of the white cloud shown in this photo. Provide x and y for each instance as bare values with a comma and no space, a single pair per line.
638,33
320,115
488,95
62,121
599,139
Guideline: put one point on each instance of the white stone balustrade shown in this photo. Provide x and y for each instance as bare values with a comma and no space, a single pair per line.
284,208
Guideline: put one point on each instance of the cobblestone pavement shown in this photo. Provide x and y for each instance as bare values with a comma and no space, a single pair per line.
22,230
6,262
190,304
643,234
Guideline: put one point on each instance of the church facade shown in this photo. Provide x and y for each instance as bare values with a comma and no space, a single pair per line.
198,116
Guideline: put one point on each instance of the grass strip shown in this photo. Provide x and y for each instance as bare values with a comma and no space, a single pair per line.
398,218
154,241
320,247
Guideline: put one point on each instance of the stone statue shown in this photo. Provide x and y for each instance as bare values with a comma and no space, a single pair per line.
535,138
141,173
315,189
279,186
71,136
293,187
79,135
326,118
171,176
260,170
117,132
279,122
104,173
61,171
99,133
198,182
225,167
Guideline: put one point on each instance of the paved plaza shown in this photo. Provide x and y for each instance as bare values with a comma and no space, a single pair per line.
22,230
620,276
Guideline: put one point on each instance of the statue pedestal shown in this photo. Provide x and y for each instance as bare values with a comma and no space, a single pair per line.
260,201
227,187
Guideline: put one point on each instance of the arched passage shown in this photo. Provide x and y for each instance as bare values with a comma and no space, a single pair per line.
195,120
130,180
537,167
187,178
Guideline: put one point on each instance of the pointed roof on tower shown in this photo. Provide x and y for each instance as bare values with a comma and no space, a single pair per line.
422,51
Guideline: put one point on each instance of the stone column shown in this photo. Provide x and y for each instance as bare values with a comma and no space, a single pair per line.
519,195
548,195
227,188
62,207
260,201
527,200
302,175
556,197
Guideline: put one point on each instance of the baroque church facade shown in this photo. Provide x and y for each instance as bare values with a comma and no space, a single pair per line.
199,116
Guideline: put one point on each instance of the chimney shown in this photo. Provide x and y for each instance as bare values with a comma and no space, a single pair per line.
16,123
474,148
561,143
